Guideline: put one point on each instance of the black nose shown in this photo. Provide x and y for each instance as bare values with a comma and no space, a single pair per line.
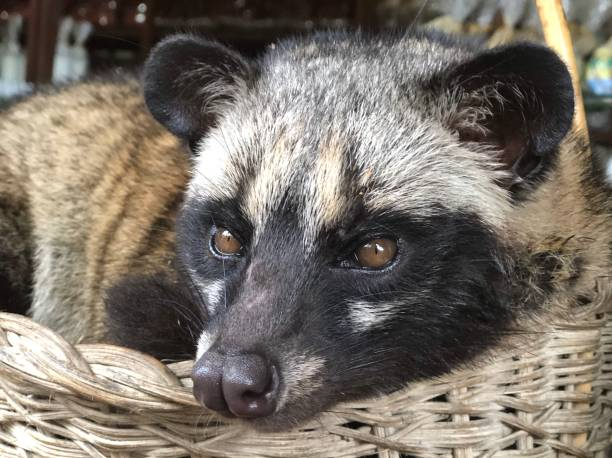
246,385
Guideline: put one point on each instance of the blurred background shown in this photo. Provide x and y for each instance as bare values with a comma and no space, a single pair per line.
55,41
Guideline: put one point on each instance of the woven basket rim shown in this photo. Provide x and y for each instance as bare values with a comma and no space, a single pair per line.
94,399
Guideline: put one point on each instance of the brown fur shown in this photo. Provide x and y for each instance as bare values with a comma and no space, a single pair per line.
566,227
564,235
101,181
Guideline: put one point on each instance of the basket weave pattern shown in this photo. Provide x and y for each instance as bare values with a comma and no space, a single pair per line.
104,401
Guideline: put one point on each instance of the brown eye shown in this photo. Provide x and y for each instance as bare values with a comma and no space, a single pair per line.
376,253
225,243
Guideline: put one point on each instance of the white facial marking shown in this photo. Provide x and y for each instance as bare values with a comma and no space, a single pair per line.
216,174
204,343
301,377
214,293
365,315
209,171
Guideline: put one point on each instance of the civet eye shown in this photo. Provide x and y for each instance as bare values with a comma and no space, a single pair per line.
225,243
376,253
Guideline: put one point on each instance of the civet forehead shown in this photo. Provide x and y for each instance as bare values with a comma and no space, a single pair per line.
324,127
385,158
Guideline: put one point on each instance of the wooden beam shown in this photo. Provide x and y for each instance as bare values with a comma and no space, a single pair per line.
43,22
557,35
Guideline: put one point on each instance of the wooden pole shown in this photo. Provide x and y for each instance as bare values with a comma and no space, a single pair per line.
557,35
43,20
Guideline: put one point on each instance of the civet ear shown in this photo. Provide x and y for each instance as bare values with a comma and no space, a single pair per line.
185,80
517,98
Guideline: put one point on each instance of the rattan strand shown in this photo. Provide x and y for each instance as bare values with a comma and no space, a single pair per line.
105,401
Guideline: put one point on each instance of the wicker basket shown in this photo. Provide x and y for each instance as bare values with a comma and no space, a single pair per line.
553,399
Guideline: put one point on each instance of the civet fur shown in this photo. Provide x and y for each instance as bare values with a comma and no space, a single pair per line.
465,156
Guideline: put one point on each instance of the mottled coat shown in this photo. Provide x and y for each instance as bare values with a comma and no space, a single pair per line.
461,157
89,189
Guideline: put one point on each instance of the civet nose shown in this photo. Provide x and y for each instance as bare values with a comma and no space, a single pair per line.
207,376
246,385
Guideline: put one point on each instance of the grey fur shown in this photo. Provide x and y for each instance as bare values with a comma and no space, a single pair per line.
360,94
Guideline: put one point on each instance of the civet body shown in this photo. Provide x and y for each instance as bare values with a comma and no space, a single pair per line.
354,212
